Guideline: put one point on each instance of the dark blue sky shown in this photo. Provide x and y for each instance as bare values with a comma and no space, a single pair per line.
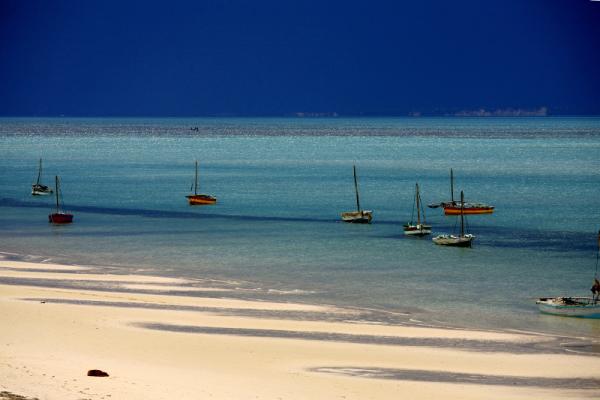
194,58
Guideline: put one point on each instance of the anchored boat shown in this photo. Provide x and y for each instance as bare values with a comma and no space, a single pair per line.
453,207
462,240
360,216
59,216
199,199
582,307
420,228
37,189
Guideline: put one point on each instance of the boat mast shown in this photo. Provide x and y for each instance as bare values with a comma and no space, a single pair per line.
597,256
452,185
462,216
356,188
57,190
418,205
196,180
39,172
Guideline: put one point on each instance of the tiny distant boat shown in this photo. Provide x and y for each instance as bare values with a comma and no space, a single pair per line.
59,216
453,207
360,216
37,189
199,199
418,229
462,240
582,307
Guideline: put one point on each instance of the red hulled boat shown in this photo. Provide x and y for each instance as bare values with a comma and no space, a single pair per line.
59,216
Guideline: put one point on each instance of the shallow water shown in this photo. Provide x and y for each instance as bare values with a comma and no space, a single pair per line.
281,184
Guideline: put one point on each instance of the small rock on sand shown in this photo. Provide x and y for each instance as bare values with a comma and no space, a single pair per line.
96,372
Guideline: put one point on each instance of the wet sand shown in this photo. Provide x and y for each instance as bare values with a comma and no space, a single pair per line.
168,338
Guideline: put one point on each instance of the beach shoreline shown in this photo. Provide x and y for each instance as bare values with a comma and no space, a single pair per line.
157,342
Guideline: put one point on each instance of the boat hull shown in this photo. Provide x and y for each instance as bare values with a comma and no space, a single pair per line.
456,209
201,199
38,193
569,307
357,217
417,230
455,241
40,190
60,218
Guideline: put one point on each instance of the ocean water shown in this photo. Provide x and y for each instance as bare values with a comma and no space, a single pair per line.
281,185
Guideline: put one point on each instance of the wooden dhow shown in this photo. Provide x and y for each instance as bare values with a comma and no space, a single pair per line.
462,240
37,189
360,216
453,207
59,216
197,199
582,307
420,228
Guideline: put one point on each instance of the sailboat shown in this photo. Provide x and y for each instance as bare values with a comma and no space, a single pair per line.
59,217
418,229
582,307
453,207
463,240
199,199
37,189
360,216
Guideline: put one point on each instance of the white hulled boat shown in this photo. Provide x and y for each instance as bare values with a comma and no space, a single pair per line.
37,189
462,240
420,228
582,307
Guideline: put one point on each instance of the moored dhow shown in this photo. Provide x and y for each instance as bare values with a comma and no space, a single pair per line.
199,199
37,189
462,240
420,228
360,216
453,207
582,307
59,216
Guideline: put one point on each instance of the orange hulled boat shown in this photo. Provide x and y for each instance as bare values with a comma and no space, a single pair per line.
453,207
200,199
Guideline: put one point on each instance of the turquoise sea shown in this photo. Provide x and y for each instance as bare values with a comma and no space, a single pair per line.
281,184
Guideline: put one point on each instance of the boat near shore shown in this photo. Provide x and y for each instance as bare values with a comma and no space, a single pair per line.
582,307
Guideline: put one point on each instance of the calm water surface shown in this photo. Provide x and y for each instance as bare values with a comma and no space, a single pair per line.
281,184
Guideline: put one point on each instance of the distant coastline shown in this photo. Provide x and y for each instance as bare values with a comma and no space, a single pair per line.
507,112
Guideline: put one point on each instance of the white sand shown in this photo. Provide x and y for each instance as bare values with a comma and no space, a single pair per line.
46,350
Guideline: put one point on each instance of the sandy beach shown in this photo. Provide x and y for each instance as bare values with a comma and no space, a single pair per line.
168,338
